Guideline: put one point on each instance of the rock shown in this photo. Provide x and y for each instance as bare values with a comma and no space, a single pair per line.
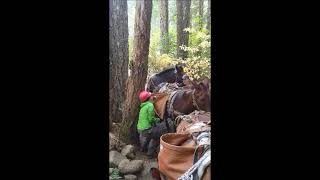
115,143
123,164
131,167
112,142
128,149
110,170
119,178
131,155
115,158
130,177
111,147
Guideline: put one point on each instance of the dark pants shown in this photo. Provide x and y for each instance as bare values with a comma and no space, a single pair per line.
150,138
144,138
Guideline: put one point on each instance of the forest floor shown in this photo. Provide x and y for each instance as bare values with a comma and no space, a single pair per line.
139,155
145,173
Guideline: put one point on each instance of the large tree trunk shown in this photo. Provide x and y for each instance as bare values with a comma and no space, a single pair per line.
118,58
209,16
183,21
201,13
137,80
164,26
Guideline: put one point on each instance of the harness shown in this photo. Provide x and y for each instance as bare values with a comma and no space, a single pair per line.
172,98
168,88
170,108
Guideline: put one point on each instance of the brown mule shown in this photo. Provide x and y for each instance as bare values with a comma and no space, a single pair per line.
186,101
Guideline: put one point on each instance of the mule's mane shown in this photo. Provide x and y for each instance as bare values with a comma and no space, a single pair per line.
165,71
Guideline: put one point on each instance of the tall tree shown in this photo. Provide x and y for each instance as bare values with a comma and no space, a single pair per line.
201,8
118,58
209,16
164,29
200,13
183,21
137,79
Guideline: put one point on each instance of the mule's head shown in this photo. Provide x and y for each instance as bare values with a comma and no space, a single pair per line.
201,94
179,73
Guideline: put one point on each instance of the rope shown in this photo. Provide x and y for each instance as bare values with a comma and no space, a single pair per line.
194,102
183,117
154,86
203,138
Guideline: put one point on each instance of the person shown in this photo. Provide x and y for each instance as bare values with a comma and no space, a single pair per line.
146,122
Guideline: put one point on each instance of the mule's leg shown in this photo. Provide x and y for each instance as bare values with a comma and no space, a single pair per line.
171,125
152,149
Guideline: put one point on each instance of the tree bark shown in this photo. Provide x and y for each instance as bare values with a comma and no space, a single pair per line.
118,58
209,16
137,79
183,21
201,8
164,26
201,13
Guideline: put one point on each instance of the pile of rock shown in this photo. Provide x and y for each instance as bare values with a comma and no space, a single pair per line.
115,143
127,164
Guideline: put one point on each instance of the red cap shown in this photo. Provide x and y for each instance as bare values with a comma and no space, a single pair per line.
144,95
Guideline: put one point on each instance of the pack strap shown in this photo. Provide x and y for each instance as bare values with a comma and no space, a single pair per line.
201,129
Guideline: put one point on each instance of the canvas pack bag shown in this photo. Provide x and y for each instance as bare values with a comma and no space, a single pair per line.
176,155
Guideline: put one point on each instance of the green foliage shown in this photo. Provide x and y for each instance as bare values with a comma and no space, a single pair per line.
198,62
199,42
154,47
160,63
172,49
130,41
115,174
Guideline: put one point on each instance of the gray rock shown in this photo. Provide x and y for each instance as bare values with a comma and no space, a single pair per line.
119,178
115,158
123,164
131,167
110,170
115,143
131,155
128,149
130,177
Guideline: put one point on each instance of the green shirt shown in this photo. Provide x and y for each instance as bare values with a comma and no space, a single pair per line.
146,116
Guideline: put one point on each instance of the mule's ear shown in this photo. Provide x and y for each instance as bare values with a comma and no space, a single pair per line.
178,68
196,86
206,82
203,87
